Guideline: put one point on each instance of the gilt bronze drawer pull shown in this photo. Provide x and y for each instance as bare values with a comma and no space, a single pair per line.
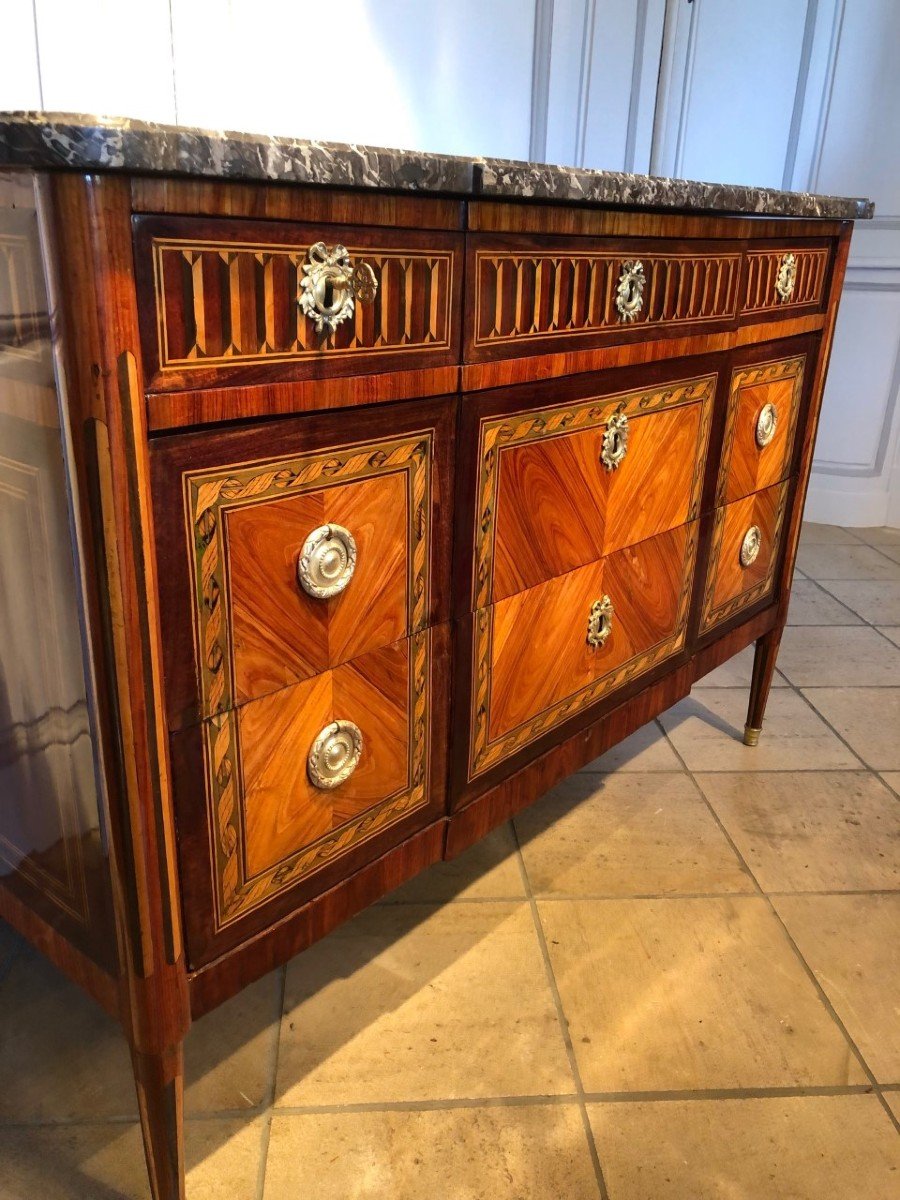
331,285
600,621
750,546
615,441
335,754
630,290
766,424
786,277
327,561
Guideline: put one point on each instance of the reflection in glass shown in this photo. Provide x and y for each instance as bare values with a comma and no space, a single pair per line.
49,826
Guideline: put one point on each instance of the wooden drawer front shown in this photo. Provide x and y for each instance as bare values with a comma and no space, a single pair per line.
547,502
223,297
279,633
270,826
257,629
767,270
525,299
239,534
754,456
730,585
533,666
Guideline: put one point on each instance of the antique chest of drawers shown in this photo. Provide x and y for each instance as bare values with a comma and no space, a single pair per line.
352,499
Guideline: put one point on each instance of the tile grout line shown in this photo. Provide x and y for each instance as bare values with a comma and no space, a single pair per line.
715,816
568,897
829,1007
268,1108
811,975
561,1100
866,623
561,1018
809,704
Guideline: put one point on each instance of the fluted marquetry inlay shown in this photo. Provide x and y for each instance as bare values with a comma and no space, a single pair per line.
521,296
766,267
224,303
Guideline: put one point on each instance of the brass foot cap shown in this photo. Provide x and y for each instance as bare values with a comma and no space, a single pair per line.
751,735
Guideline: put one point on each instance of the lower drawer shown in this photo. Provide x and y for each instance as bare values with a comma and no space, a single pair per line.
543,655
743,554
305,785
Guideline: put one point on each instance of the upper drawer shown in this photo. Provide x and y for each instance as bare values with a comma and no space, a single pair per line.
785,276
569,294
275,569
562,486
763,408
245,301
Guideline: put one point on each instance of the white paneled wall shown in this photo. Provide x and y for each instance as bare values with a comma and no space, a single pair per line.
603,66
732,68
20,81
454,78
806,94
857,468
107,56
796,93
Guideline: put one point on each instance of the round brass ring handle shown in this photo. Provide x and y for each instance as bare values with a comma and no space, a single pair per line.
331,285
615,441
600,621
750,546
334,755
766,424
327,561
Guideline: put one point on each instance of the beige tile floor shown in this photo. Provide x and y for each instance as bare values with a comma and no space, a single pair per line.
676,977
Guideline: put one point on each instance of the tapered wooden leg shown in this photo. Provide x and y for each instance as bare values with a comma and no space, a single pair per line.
159,1079
763,670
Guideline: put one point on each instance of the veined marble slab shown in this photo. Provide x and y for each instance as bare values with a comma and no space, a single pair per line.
88,143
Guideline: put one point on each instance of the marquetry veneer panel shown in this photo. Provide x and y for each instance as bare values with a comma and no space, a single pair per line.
224,295
269,827
730,586
748,466
532,665
760,294
527,297
280,634
255,629
546,503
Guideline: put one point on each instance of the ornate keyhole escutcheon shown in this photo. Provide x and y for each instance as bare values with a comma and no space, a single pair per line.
327,561
615,441
766,424
331,285
630,290
334,755
786,277
600,621
750,546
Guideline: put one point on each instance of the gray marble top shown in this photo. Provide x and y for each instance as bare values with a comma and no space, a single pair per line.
89,143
